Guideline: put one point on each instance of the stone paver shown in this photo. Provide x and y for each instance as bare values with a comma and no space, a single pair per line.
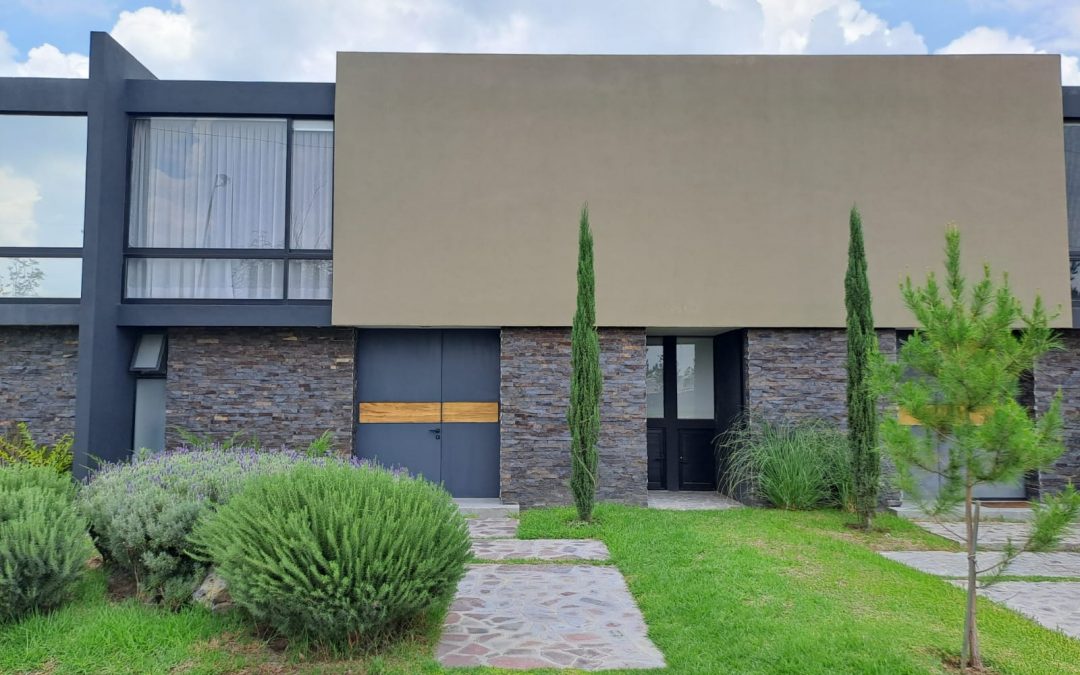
546,616
993,536
1054,604
686,500
492,528
539,549
947,564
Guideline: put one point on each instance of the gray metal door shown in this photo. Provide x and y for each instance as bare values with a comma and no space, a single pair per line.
428,401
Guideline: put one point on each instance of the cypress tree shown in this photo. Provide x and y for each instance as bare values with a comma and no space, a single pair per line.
861,401
583,416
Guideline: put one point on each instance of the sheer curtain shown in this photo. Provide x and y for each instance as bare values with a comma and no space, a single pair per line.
205,278
207,183
312,197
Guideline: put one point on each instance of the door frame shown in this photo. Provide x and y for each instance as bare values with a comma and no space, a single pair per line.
671,424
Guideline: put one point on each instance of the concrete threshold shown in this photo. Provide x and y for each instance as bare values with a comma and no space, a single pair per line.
485,507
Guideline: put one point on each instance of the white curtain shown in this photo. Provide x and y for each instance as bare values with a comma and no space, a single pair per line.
312,198
205,278
310,279
208,183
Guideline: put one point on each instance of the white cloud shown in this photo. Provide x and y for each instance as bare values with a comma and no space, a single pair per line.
986,40
157,36
18,195
42,61
833,26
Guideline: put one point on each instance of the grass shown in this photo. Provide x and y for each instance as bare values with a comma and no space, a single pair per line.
745,590
758,591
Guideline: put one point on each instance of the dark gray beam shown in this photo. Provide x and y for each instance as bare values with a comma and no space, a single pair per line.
43,96
39,314
1070,102
184,97
178,314
105,390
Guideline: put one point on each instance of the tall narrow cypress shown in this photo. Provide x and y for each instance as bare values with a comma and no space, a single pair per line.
583,416
861,402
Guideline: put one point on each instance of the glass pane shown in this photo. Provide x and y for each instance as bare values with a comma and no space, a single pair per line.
1072,182
310,279
42,180
654,378
220,279
312,184
208,183
40,277
694,365
148,352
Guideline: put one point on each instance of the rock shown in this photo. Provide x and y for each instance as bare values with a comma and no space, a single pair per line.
213,593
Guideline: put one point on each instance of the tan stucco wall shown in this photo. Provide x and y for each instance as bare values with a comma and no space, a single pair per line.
719,186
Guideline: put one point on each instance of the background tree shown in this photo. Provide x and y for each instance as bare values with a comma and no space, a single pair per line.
861,401
585,379
959,376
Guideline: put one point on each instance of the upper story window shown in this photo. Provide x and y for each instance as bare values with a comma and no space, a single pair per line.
42,187
230,208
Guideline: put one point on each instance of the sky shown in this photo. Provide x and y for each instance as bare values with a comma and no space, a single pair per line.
298,39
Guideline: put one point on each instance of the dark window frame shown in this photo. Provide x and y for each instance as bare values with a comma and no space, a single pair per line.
45,251
287,253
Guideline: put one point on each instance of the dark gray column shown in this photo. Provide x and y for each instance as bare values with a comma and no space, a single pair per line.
105,393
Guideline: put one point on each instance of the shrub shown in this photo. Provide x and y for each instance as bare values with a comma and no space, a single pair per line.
19,476
791,466
337,555
141,512
21,448
43,542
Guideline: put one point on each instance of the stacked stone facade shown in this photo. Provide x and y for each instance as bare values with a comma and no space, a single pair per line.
800,374
1060,370
38,365
284,386
535,441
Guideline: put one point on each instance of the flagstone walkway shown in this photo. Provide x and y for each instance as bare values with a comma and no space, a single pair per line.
1054,604
542,614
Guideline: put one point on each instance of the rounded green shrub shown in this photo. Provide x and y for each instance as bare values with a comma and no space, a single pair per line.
16,476
44,545
336,555
141,512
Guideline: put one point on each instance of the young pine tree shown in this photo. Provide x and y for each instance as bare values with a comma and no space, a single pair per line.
585,380
861,400
958,375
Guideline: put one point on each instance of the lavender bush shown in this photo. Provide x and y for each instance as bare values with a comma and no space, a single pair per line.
141,512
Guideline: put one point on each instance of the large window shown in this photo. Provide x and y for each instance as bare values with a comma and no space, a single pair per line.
230,209
1072,192
42,187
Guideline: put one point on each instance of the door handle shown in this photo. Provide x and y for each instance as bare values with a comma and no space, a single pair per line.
437,431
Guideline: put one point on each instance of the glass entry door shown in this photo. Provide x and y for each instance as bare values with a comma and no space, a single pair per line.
681,409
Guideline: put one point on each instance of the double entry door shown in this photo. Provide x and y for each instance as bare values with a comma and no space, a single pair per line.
681,411
428,402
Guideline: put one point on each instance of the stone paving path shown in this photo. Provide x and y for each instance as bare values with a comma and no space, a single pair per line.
948,564
1054,604
543,615
540,549
993,536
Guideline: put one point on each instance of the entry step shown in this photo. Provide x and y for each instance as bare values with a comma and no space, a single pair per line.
485,507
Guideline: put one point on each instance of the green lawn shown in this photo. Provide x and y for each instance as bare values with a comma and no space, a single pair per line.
742,591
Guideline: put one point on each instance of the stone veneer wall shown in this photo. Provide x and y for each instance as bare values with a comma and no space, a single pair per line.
1060,369
38,365
535,442
285,386
796,374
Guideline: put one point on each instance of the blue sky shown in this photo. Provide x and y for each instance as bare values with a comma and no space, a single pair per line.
297,39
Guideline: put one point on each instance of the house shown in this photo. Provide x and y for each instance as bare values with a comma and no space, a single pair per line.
391,257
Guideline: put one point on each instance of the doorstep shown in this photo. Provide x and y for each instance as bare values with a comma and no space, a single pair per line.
485,507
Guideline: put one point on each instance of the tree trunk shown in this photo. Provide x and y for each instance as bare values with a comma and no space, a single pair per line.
970,655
